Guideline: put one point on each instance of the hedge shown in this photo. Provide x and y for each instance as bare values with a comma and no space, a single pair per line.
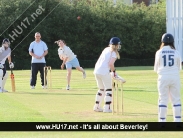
139,27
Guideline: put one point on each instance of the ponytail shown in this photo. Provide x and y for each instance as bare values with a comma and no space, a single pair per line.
115,49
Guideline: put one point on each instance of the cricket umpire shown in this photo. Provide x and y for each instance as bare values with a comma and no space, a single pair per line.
5,53
168,65
38,50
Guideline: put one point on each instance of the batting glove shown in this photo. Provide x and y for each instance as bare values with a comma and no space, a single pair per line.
1,66
113,74
119,78
11,65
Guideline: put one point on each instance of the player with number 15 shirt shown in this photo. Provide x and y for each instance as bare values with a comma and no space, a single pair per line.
168,65
167,61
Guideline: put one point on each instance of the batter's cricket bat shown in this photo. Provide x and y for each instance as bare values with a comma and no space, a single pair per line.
12,81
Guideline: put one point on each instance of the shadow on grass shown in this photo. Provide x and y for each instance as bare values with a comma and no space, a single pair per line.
129,68
138,114
142,114
54,93
134,90
139,90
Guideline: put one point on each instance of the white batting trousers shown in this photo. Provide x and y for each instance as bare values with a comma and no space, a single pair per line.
103,81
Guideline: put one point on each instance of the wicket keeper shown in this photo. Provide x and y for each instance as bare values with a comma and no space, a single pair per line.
5,53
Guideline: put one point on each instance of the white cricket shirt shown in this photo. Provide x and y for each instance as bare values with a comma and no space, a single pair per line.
65,51
102,65
4,55
38,48
167,61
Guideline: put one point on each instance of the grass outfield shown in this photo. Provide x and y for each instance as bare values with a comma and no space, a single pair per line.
59,105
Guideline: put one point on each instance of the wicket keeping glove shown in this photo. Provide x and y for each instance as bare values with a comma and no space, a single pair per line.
1,66
11,65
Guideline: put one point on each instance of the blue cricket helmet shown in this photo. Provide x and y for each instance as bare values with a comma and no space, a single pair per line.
167,38
115,41
6,40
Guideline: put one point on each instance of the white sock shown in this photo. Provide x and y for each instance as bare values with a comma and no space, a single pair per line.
162,113
177,112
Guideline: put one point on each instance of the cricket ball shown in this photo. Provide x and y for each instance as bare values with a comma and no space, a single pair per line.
78,18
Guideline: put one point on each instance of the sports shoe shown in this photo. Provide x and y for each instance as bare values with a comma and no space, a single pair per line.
1,90
84,74
4,90
68,87
97,109
32,87
44,87
107,111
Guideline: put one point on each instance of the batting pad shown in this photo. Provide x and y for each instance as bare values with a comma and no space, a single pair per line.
108,99
99,98
1,77
4,80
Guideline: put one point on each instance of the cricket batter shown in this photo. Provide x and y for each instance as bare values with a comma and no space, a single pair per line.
104,65
5,52
69,60
168,65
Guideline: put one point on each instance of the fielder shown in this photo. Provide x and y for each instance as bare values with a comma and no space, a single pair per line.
168,65
103,77
5,52
69,60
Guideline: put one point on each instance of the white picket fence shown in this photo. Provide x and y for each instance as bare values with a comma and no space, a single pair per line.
174,22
